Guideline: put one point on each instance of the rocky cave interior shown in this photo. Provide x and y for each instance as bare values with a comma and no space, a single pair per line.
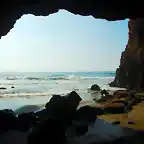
131,62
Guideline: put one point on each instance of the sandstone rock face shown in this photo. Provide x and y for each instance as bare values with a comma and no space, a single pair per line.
130,73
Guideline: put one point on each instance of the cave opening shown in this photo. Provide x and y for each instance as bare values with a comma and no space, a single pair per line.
68,47
42,56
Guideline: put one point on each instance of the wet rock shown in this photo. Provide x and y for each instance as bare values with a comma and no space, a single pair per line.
42,114
78,128
63,108
114,108
87,113
129,106
55,100
132,103
121,94
7,120
116,122
137,99
3,88
50,131
81,129
104,92
104,98
95,87
73,99
25,121
112,84
131,122
125,102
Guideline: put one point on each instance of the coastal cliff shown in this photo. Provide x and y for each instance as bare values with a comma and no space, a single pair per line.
130,73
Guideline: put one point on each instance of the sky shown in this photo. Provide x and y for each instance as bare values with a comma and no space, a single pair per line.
63,42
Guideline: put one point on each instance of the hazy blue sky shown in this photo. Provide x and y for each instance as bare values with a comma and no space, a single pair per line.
63,42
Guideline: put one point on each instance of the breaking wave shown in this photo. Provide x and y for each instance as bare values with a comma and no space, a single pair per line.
71,77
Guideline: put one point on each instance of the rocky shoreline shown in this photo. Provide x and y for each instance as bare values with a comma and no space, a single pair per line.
61,121
122,105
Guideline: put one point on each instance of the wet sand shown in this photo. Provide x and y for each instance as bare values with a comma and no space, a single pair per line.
17,102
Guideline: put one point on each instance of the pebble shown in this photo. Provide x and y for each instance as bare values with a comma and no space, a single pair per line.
131,122
115,122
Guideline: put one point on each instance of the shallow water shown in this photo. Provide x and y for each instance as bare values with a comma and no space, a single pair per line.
101,132
14,103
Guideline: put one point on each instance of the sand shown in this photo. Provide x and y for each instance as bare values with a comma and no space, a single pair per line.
136,115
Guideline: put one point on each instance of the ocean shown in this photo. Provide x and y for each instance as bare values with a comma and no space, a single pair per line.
36,88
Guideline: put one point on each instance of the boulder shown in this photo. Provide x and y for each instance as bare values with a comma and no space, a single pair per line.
131,122
112,84
86,113
81,129
3,88
95,87
50,131
132,103
25,121
116,122
125,102
7,120
12,87
73,99
114,108
78,128
42,114
63,108
104,93
56,108
27,109
121,94
137,99
105,98
55,100
128,107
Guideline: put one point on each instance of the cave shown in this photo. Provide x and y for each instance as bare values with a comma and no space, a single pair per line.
130,73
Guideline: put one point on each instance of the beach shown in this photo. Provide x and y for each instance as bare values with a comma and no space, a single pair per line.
26,92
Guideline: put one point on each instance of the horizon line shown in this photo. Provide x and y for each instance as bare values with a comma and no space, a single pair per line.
55,71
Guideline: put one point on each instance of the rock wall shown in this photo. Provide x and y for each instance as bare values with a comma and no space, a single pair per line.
130,73
11,10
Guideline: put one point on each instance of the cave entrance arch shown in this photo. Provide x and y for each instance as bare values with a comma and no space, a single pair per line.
104,9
